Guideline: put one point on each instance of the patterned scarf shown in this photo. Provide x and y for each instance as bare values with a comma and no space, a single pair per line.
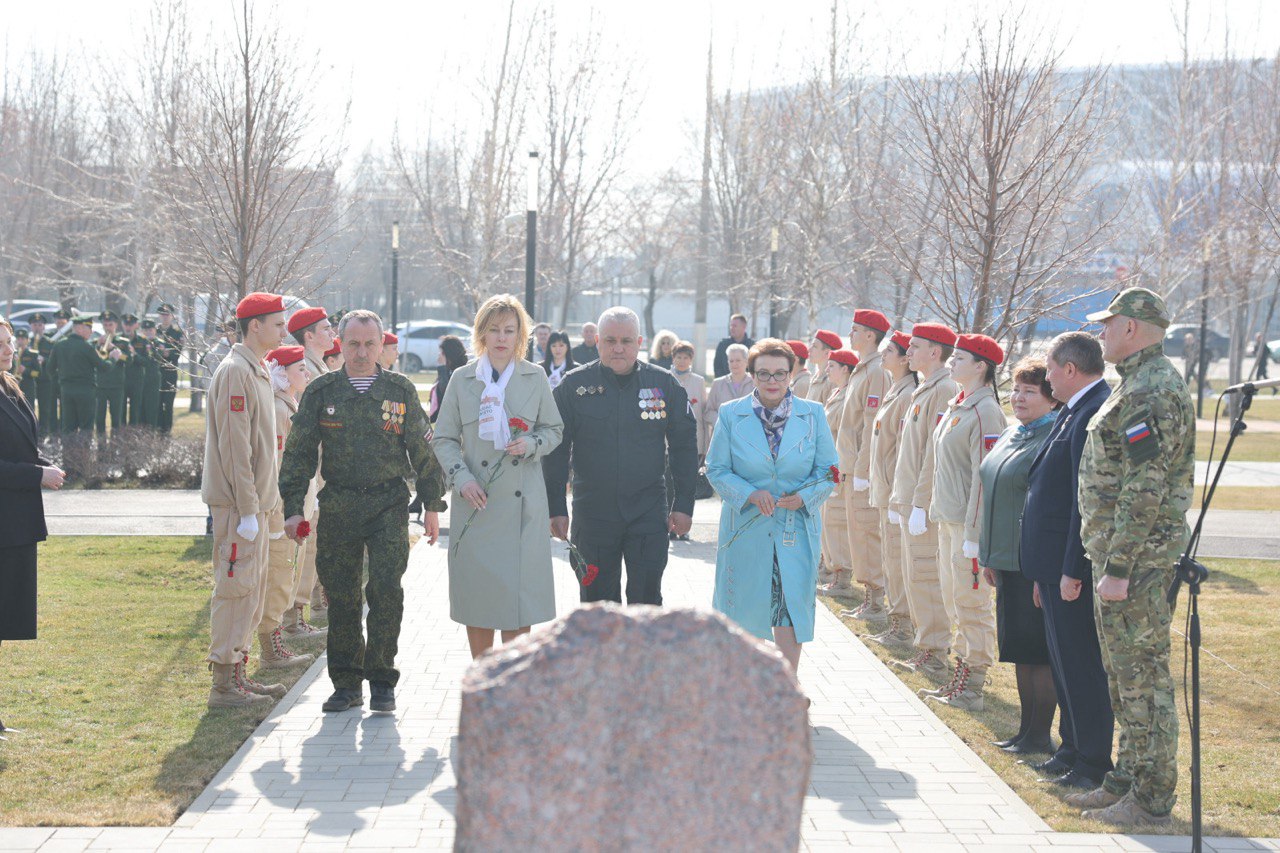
774,420
1027,429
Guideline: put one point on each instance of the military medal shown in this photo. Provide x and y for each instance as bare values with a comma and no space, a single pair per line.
581,390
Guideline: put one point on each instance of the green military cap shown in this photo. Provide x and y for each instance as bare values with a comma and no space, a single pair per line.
86,319
148,324
22,333
62,314
128,319
108,317
1138,303
38,318
165,308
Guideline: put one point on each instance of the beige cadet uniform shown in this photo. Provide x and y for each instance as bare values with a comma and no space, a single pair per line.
280,588
696,387
800,385
862,397
835,535
240,478
913,487
885,433
820,389
307,590
961,441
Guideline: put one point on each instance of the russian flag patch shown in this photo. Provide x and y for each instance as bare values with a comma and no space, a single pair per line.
873,402
989,441
1138,432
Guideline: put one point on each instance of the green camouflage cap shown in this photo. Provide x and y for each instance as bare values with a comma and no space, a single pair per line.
1138,303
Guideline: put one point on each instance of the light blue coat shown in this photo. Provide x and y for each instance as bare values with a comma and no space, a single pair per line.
738,463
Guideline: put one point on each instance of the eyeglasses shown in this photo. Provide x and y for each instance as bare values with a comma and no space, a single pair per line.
766,376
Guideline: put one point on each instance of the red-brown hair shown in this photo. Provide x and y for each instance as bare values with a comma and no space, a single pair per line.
770,346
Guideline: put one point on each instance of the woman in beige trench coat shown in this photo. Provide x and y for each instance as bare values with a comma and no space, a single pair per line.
500,567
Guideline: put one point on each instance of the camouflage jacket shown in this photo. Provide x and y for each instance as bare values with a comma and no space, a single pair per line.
368,439
1136,472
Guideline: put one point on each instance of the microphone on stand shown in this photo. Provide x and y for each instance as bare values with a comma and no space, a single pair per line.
1256,386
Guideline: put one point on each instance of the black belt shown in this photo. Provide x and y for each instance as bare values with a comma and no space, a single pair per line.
372,488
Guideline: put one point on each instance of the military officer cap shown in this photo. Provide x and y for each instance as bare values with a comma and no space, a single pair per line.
148,324
62,314
108,317
165,308
38,318
128,319
1138,303
22,333
82,320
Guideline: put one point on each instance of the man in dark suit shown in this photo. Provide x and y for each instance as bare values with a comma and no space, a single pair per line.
737,335
1053,557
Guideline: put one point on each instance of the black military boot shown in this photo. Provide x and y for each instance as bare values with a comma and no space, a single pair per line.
382,697
344,698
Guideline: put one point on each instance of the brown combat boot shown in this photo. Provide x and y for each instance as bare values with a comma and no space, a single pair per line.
1127,812
248,685
966,695
319,602
872,609
899,633
226,692
1098,798
926,662
274,655
957,676
297,626
839,585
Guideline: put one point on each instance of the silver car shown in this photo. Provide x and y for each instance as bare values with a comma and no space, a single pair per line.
420,342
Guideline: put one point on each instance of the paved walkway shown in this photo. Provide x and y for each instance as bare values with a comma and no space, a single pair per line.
887,773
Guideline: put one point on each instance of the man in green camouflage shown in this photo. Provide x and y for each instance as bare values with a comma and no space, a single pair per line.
1135,489
373,432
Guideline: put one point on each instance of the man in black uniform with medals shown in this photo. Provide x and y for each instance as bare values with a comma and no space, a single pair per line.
170,340
621,418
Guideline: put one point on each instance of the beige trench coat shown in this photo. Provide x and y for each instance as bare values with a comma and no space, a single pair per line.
500,571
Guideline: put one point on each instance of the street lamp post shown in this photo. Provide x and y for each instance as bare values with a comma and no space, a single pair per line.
773,282
395,274
531,236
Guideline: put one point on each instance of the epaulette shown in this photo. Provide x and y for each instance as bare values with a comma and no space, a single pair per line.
324,379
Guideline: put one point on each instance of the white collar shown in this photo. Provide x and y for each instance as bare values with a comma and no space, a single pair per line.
1071,404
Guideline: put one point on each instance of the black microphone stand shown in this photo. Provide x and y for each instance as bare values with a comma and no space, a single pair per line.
1193,573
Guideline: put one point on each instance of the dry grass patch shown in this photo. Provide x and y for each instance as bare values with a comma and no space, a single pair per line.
1240,692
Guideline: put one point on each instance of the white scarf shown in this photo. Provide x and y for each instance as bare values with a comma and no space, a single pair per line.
557,374
493,400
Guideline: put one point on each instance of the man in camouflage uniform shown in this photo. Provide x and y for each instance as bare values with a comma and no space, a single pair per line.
373,432
1135,489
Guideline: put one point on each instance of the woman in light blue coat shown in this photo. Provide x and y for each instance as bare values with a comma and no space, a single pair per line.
765,447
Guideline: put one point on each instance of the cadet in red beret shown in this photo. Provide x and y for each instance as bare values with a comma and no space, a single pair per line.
931,345
867,387
239,484
820,348
390,351
844,356
311,328
800,377
967,432
834,540
333,356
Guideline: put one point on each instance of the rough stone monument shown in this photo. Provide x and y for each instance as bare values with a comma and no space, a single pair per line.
632,729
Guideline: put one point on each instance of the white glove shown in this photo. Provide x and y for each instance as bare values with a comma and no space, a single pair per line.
861,485
894,518
970,550
919,523
248,527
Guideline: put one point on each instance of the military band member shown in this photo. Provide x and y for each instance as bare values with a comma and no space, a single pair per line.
621,418
134,369
152,380
836,560
931,347
46,390
968,430
74,365
862,396
26,363
1135,490
240,487
820,348
114,350
171,339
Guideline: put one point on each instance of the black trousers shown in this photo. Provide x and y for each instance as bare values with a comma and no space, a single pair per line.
606,544
18,592
1083,694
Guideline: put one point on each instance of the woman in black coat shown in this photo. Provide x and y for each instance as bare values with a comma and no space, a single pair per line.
23,472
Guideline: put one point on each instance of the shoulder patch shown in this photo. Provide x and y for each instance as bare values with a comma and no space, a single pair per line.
237,403
989,441
873,401
1141,441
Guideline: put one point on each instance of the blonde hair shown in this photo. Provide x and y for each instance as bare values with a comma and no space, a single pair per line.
666,336
7,379
494,307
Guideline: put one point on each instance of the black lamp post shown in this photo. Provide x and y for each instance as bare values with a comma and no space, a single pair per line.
531,236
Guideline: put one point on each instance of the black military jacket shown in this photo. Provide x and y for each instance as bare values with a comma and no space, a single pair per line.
619,429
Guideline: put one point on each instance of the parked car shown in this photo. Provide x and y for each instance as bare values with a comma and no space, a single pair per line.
420,342
1216,345
21,316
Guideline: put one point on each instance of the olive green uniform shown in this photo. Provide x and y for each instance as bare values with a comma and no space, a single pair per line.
46,389
170,340
134,373
111,384
151,382
1135,489
74,366
31,364
371,443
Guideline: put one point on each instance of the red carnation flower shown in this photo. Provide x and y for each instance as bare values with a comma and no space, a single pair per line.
590,575
304,529
835,474
517,426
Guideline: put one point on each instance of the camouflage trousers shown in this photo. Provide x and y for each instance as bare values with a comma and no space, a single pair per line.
359,521
1134,636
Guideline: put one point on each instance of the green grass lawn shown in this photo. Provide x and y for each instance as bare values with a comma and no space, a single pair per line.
111,698
1249,447
1241,744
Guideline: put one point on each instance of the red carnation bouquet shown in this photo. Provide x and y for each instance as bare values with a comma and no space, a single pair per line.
586,572
304,529
831,476
518,428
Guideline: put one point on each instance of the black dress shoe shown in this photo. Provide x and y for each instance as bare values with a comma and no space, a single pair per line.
1007,742
1052,768
344,698
1073,780
1027,746
382,697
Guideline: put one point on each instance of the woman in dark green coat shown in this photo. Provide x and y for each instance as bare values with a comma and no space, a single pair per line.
1019,623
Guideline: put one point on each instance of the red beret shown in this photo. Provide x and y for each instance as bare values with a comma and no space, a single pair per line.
845,356
388,339
800,348
258,304
335,349
306,317
285,356
981,346
902,339
831,339
935,332
871,319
